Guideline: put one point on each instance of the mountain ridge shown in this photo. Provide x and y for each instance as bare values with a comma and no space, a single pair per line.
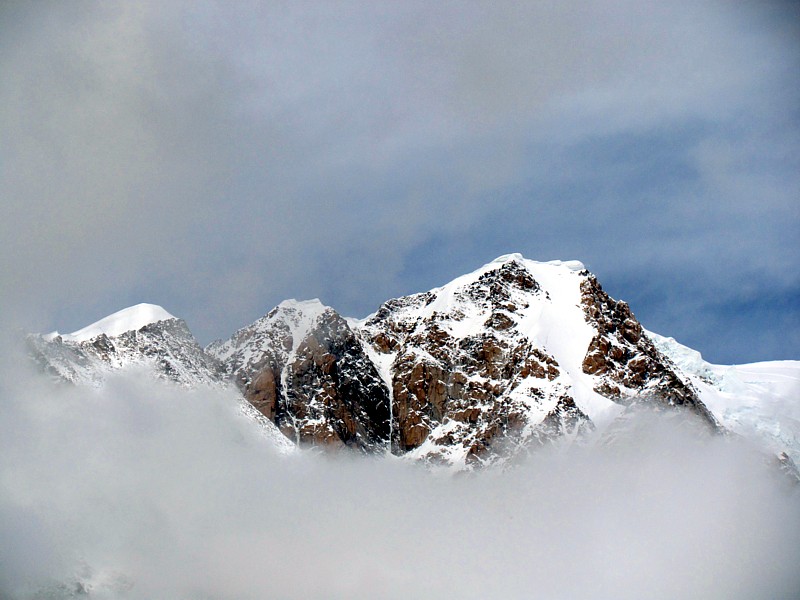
513,355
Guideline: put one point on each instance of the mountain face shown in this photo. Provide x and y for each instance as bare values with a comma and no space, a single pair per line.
165,346
144,337
495,363
304,368
513,355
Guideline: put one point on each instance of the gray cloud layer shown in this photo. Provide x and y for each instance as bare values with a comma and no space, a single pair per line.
216,158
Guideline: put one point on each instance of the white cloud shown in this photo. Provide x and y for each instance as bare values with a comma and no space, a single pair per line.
140,490
223,157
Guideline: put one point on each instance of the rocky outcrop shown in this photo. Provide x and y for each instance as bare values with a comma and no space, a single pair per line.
627,365
334,394
303,367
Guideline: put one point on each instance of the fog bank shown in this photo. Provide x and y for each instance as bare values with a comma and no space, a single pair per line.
142,490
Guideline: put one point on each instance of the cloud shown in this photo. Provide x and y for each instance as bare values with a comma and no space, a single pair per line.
218,158
142,490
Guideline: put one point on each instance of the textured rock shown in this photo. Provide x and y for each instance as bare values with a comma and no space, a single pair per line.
303,367
629,365
167,348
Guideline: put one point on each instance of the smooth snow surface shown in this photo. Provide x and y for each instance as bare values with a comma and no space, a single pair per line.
128,319
572,265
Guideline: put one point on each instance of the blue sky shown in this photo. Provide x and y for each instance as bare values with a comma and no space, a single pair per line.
217,158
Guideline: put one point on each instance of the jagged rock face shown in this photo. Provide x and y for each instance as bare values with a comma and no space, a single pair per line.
167,348
303,367
467,383
334,393
514,355
627,365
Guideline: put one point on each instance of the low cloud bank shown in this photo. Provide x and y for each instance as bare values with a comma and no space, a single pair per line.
142,490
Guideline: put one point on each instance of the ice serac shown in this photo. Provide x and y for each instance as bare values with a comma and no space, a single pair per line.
759,401
302,366
511,356
628,366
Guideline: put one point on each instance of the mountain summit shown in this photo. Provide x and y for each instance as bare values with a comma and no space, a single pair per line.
499,361
128,319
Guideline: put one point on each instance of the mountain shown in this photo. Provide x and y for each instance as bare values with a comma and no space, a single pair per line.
495,363
303,367
759,401
512,355
144,337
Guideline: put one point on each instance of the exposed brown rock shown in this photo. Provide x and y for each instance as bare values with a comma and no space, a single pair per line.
263,392
622,355
499,321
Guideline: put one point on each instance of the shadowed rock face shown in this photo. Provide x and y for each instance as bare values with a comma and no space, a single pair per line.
303,367
334,394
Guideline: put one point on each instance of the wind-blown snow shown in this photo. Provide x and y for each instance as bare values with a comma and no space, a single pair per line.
132,318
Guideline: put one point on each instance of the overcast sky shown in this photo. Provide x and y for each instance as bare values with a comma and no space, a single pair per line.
217,158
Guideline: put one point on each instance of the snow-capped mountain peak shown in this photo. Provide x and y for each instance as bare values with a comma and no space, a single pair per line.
144,335
303,367
291,320
132,318
507,357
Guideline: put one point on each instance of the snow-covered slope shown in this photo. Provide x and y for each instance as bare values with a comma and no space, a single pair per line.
760,401
132,318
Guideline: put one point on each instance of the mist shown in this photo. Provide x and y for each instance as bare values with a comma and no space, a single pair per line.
140,489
